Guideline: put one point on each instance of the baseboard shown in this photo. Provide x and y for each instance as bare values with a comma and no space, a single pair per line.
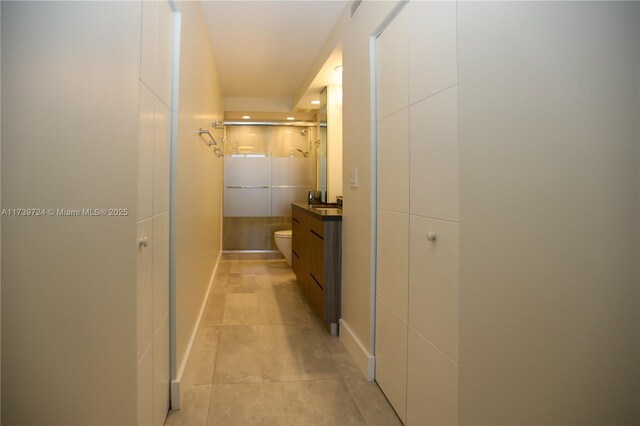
363,359
175,384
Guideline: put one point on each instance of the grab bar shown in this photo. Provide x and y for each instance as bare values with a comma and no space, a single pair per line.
264,187
201,132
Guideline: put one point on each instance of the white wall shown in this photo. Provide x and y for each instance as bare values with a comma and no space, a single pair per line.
69,140
197,223
0,223
334,142
357,324
549,213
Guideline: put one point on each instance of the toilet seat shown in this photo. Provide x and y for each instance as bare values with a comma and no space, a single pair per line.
284,234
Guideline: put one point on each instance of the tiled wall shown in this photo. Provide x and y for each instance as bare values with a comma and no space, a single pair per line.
417,279
153,212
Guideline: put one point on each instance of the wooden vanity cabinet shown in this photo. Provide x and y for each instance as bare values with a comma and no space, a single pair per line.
317,261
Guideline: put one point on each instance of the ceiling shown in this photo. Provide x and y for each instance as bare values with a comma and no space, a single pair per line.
265,48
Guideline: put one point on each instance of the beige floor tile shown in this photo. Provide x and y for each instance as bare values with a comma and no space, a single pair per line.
214,310
282,305
278,264
240,309
207,339
199,368
248,283
248,267
346,365
194,407
371,402
272,353
324,402
271,358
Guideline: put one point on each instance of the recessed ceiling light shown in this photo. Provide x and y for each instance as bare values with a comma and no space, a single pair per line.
291,118
315,102
246,117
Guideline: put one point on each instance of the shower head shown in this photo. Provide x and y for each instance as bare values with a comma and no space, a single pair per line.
303,132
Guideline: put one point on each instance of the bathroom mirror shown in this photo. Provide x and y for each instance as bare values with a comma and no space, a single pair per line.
322,144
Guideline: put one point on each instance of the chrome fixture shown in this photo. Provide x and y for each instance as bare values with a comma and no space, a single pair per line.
201,132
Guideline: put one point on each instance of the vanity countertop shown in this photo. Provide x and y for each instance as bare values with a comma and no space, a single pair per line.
326,213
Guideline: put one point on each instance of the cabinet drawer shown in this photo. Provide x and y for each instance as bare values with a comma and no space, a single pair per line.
316,296
298,234
316,225
316,257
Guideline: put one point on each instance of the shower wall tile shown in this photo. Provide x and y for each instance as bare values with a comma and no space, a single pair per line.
252,140
292,171
286,140
247,171
283,197
252,233
247,202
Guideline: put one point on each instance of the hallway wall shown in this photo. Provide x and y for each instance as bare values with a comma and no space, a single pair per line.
197,206
549,247
357,246
70,87
549,148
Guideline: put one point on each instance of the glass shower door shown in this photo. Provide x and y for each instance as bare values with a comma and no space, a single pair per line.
266,169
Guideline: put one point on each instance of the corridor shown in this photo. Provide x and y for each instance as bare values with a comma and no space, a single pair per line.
261,356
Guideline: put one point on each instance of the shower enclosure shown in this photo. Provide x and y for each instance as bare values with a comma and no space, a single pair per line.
266,168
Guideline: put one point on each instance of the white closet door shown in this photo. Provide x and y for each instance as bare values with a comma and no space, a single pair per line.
156,71
418,214
392,62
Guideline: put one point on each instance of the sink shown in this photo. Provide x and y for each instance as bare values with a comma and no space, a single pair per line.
328,209
325,206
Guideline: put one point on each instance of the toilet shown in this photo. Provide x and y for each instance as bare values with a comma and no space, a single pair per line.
283,241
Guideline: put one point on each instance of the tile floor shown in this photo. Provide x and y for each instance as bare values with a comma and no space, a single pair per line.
261,356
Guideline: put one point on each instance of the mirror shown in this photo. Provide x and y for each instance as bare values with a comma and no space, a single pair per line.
321,143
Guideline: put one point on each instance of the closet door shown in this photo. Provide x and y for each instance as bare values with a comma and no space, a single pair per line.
156,75
392,270
418,214
432,385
